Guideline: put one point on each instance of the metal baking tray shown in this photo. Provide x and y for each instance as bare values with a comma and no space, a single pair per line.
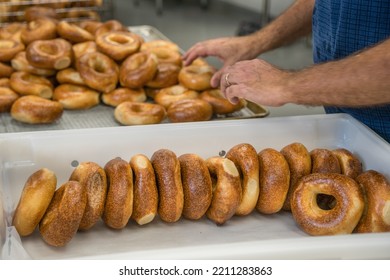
255,236
103,116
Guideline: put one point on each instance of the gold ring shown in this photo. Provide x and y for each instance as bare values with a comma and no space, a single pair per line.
228,84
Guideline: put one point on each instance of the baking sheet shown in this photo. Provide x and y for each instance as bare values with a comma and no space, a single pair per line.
255,236
103,115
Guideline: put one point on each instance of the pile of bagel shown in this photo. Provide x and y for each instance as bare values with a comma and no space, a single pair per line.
327,192
50,65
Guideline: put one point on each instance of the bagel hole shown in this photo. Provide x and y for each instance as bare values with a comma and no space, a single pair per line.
121,40
99,66
325,201
50,49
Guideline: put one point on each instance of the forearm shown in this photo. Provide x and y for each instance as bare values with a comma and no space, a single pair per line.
295,22
363,79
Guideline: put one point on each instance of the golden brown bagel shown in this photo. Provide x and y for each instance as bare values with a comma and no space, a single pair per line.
50,54
74,97
166,55
28,84
324,161
274,181
376,215
119,200
36,110
20,63
108,26
118,44
85,47
138,69
197,186
145,190
166,76
8,49
98,71
39,29
69,76
6,70
139,113
168,178
196,77
342,218
227,192
7,98
167,96
119,95
244,156
299,162
219,103
73,33
93,178
62,218
189,110
159,43
34,200
350,164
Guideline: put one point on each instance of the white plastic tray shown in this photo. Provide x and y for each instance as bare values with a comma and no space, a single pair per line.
253,237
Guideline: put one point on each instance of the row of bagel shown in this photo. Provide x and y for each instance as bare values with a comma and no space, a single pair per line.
327,192
58,65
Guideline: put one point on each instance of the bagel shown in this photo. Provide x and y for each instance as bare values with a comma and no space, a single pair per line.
36,110
119,200
167,96
139,113
62,218
376,215
85,47
108,26
8,49
119,95
244,156
138,69
189,110
196,77
145,190
219,103
90,25
50,54
227,192
197,186
75,97
159,43
118,44
350,164
166,55
168,178
324,161
98,71
37,193
93,178
340,219
20,63
39,29
28,84
7,98
166,76
299,162
73,33
12,31
5,70
274,181
69,76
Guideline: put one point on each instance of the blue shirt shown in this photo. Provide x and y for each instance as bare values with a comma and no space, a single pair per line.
342,27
